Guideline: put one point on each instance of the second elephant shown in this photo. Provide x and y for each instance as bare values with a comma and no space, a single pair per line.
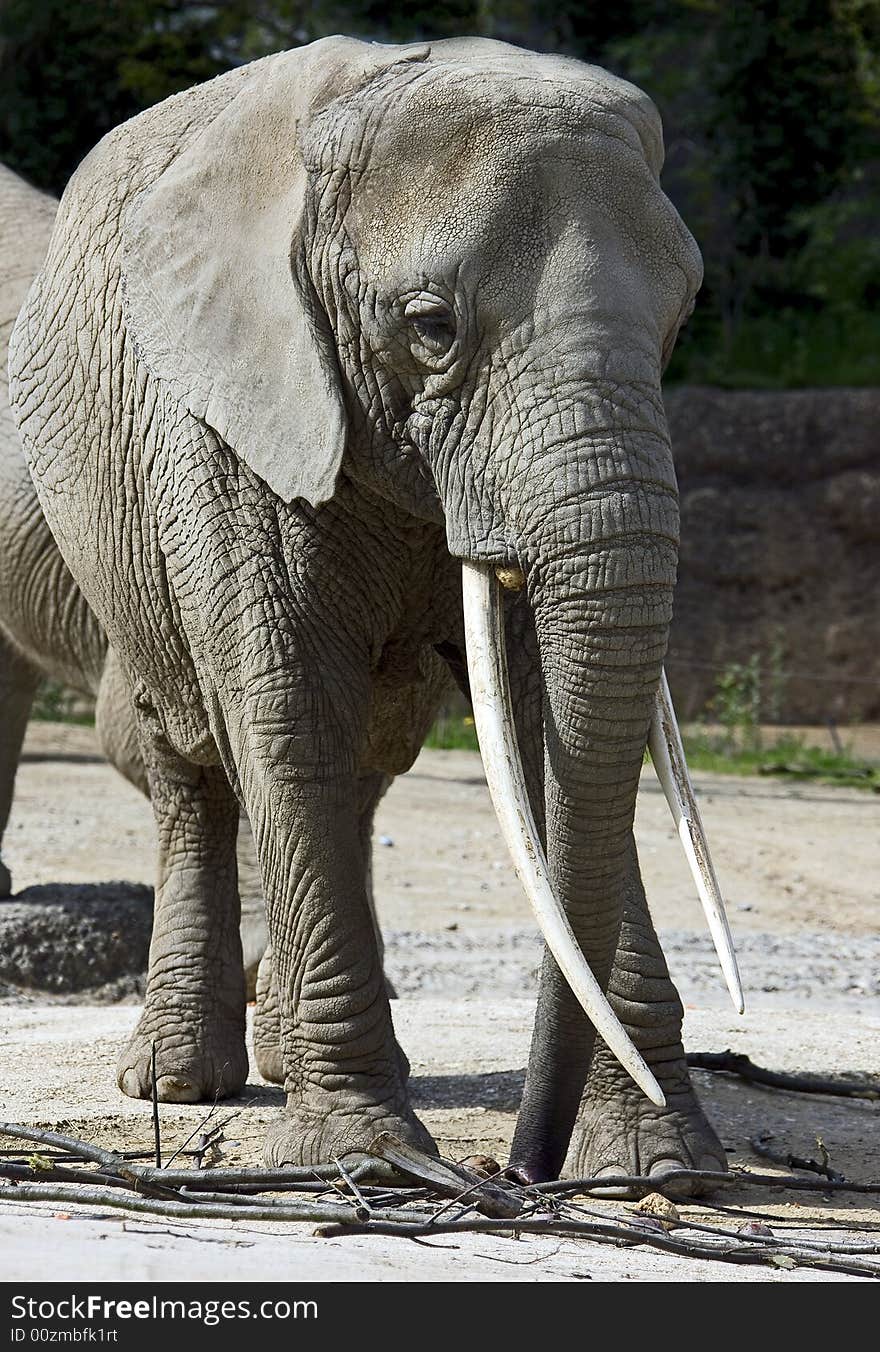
47,629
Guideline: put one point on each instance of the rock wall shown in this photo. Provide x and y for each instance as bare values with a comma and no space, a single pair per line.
780,553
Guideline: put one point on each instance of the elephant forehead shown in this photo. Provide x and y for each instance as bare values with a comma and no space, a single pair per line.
502,175
447,122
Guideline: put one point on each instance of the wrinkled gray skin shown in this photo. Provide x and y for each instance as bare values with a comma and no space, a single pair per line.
307,336
46,626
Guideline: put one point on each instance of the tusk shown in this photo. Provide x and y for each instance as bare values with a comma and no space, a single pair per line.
487,666
667,754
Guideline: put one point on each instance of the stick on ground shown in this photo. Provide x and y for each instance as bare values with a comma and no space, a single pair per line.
735,1063
760,1145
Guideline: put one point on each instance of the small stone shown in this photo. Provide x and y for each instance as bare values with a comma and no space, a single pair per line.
484,1165
650,1223
655,1204
757,1228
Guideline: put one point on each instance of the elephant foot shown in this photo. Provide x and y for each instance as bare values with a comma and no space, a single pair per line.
187,1070
250,980
309,1136
624,1133
5,881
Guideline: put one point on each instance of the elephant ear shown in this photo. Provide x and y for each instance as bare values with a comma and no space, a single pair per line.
216,306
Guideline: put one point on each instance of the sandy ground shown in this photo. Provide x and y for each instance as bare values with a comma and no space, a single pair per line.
789,857
799,866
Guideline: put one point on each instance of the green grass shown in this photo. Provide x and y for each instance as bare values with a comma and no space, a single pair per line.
453,732
789,758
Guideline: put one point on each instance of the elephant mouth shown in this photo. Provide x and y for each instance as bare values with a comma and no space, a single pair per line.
482,587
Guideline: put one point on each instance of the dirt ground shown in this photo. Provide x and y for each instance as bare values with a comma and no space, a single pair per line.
798,864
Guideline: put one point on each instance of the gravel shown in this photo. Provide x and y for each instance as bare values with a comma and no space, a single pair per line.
506,962
91,942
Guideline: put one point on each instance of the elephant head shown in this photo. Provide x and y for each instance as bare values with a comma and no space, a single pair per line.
450,274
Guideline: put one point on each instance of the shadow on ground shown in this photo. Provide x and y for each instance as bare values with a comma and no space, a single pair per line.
500,1090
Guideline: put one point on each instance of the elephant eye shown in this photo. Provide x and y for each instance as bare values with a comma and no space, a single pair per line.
433,322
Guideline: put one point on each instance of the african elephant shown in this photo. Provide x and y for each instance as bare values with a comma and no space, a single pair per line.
316,344
46,626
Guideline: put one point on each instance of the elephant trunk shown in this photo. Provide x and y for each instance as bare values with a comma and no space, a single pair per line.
596,543
484,629
600,569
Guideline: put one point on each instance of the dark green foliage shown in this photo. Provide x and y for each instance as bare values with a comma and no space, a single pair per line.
55,703
59,88
70,71
771,109
784,124
772,118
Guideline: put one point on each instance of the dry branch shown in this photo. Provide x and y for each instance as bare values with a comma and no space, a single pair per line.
449,1180
20,1172
117,1163
761,1147
142,1178
202,1185
242,1208
154,1093
351,1183
735,1178
543,1209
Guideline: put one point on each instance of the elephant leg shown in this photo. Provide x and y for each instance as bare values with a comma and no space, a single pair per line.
371,790
254,931
267,1016
116,724
618,1130
194,1010
18,685
117,728
344,1079
267,1022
